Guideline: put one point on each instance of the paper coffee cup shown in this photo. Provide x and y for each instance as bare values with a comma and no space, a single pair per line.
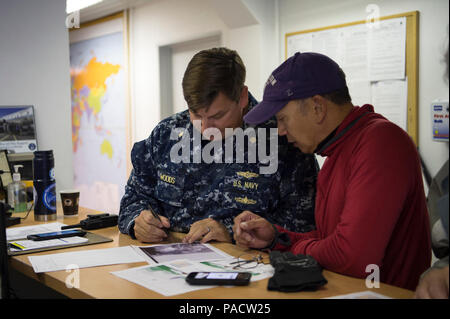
69,200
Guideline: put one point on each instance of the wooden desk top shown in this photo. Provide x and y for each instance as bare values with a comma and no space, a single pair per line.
98,282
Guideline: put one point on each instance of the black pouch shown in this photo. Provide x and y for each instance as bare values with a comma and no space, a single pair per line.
295,272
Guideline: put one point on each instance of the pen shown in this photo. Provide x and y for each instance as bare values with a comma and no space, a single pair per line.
157,217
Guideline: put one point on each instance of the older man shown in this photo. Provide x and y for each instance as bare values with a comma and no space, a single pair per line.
370,203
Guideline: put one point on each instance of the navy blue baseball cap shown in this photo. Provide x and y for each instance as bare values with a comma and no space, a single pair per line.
301,76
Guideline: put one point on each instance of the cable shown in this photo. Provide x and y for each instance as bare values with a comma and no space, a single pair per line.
28,213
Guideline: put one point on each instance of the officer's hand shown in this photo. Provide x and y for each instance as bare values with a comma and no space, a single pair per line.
433,285
148,229
252,231
206,230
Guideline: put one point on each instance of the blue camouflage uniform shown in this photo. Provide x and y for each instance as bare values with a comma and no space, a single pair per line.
189,192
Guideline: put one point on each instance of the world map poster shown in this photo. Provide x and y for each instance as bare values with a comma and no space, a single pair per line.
98,92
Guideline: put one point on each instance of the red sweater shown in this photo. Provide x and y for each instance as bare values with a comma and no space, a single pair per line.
370,204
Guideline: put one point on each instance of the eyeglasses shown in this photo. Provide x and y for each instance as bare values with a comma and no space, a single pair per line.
249,261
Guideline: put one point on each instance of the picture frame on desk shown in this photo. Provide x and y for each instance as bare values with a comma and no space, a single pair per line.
18,129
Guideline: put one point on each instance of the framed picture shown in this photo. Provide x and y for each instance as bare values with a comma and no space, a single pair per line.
17,129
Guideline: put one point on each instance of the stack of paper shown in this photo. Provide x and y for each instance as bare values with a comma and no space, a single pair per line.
23,245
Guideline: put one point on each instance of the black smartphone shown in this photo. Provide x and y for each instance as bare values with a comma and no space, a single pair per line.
57,234
219,278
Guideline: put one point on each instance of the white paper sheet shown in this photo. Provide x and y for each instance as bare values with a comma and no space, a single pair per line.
168,279
160,278
360,91
361,295
22,232
355,49
168,252
389,98
85,258
387,50
299,42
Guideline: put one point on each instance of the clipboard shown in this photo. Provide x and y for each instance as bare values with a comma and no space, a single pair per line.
92,240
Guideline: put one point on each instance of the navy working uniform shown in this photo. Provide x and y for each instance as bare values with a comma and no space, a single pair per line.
189,192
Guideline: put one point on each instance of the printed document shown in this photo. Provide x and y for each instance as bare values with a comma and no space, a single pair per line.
168,252
85,259
168,278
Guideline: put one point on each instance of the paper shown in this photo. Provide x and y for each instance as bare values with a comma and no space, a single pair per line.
354,41
161,278
387,50
168,279
299,43
30,244
22,232
85,258
361,295
328,42
389,98
360,91
365,53
168,252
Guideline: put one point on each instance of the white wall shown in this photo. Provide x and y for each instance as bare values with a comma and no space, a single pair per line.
181,56
34,70
162,23
433,37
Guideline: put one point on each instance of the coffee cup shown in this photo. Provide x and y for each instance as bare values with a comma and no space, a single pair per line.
69,200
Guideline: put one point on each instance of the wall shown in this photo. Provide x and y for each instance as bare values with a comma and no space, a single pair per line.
433,38
164,23
34,70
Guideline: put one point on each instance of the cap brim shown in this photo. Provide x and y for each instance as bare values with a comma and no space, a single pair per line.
263,111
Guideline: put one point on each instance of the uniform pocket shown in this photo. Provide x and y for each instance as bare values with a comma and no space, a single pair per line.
170,186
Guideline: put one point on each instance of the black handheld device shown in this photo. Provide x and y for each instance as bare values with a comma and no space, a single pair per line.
57,234
95,222
219,278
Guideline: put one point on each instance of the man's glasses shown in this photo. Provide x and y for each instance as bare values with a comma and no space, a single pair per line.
249,261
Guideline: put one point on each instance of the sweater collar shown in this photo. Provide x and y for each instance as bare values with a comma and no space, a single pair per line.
348,125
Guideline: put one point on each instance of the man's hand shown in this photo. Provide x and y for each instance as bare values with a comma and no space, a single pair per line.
207,229
147,228
252,231
434,285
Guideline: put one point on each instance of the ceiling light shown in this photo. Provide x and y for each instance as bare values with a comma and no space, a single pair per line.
75,5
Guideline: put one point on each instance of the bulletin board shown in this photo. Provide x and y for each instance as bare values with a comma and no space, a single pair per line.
401,75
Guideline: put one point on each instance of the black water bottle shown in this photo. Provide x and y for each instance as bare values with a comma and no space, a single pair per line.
44,186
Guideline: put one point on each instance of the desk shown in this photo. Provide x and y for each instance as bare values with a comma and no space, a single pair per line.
97,282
